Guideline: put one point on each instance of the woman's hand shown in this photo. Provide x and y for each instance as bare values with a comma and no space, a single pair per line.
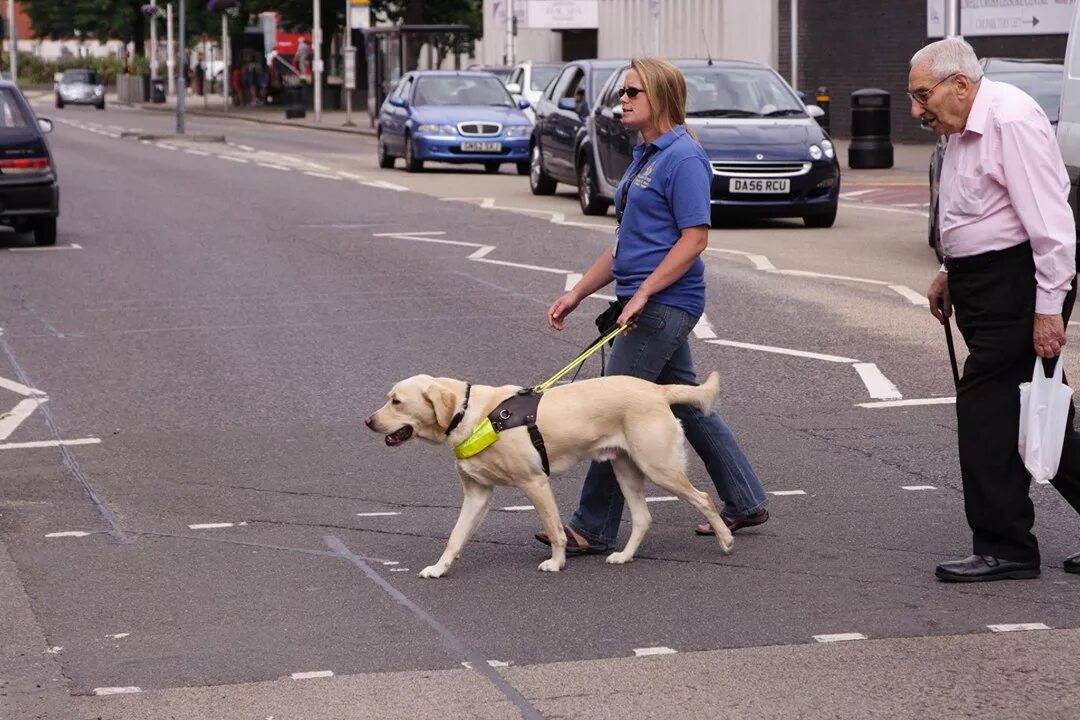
632,309
556,314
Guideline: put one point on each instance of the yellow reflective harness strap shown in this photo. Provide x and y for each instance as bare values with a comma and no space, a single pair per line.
578,360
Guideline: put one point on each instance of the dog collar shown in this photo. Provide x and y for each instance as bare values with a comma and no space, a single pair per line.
460,415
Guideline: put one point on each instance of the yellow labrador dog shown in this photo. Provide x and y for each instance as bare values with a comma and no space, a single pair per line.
618,418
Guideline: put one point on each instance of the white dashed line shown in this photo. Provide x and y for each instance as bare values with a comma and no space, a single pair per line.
118,636
662,498
649,651
117,690
377,514
917,487
324,176
245,148
909,403
49,444
68,533
787,492
491,663
230,158
311,675
200,153
317,166
272,166
517,508
214,526
1018,627
351,176
391,562
163,146
385,185
839,637
399,569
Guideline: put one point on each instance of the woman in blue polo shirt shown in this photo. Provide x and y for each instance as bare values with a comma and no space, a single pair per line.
663,209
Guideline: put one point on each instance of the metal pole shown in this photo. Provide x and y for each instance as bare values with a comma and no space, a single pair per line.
153,42
656,39
205,60
952,18
349,57
14,39
170,51
795,45
316,41
509,32
226,77
181,90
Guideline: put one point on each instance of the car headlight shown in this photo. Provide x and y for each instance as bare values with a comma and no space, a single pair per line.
815,152
827,148
432,129
99,90
518,130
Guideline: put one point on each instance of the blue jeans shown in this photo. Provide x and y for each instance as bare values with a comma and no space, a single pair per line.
658,350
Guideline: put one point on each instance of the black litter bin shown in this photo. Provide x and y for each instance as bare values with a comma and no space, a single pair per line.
157,90
293,97
870,145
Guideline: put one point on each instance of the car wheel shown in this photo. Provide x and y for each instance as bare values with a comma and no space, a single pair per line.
491,167
59,102
539,181
824,220
386,160
100,105
591,203
411,163
45,231
523,167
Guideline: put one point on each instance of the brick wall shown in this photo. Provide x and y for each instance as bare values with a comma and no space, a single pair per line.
850,44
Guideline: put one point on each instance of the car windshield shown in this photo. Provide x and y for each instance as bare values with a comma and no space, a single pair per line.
81,76
541,76
738,92
11,114
1043,85
456,90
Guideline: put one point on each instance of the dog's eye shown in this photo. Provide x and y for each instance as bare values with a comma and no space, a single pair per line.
395,401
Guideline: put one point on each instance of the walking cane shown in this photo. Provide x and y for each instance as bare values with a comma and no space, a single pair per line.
952,351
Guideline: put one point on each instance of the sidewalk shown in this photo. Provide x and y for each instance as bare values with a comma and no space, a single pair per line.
213,106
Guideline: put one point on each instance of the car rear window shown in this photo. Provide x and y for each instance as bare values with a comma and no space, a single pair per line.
81,76
11,113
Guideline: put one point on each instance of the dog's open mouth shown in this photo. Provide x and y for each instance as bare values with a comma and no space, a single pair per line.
399,436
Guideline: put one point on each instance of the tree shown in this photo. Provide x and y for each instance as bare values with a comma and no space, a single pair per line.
106,19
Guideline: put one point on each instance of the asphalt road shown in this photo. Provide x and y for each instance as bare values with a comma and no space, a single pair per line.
217,320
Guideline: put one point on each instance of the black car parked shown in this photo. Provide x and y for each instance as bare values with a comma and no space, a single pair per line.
29,195
560,123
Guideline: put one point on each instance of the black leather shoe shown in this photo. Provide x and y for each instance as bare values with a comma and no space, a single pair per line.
1072,564
982,568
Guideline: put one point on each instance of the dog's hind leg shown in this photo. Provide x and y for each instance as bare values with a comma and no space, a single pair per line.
632,484
473,509
539,492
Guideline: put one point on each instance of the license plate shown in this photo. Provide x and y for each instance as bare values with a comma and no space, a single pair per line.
760,185
485,147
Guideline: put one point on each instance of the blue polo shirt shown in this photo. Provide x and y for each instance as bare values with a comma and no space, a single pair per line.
670,193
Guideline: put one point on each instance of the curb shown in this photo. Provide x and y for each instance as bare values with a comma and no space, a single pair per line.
370,132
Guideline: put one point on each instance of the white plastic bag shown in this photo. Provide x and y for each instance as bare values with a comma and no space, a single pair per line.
1044,413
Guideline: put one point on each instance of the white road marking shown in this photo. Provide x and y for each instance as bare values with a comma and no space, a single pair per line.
54,650
491,663
827,276
146,142
49,443
11,420
703,330
399,569
377,514
312,674
522,266
19,388
200,153
648,651
115,136
230,158
879,386
909,403
913,297
324,176
317,166
67,533
856,193
212,526
118,636
573,278
116,690
839,637
884,208
164,146
784,351
351,176
245,148
1018,627
420,232
481,252
391,562
385,185
272,166
787,492
917,487
517,508
49,248
760,261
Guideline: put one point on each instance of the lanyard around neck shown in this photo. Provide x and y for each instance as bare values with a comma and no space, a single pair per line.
620,207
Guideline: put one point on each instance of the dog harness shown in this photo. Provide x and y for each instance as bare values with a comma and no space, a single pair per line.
517,410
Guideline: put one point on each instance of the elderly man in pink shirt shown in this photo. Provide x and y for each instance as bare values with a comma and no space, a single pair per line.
1009,241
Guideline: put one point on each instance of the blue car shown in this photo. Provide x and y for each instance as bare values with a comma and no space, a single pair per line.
455,117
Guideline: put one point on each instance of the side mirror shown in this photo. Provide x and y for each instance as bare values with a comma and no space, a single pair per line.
45,124
523,103
513,89
398,101
814,111
568,104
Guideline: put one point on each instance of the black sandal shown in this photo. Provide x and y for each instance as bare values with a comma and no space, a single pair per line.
573,547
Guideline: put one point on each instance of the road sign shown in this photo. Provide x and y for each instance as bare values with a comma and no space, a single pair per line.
350,68
994,17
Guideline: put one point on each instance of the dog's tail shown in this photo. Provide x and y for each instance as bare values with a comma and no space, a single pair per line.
700,396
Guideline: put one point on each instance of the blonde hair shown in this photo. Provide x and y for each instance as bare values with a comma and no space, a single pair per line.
665,90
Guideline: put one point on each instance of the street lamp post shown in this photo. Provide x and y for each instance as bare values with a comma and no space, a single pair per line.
170,50
316,42
349,71
153,40
14,40
181,90
952,18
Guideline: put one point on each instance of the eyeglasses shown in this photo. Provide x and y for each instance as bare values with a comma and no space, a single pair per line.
630,92
921,96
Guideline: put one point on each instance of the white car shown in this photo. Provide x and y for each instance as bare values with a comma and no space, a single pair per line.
528,79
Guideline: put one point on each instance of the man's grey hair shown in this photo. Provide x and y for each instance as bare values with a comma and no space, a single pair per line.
947,57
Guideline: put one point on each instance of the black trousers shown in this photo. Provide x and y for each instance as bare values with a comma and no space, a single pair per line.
993,296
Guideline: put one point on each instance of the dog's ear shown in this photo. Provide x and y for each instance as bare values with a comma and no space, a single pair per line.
443,400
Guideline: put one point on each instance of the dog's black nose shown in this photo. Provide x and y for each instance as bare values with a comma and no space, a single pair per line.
369,422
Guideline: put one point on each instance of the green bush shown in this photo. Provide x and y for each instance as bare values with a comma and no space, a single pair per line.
35,71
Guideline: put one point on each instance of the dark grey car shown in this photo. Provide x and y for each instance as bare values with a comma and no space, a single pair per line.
1041,79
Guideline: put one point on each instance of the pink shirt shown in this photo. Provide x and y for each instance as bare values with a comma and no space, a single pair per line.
1003,182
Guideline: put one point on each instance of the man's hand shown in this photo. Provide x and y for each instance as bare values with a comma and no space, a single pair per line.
1049,335
556,314
632,309
940,305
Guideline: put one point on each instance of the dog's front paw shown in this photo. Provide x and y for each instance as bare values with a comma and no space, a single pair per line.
550,565
432,571
619,558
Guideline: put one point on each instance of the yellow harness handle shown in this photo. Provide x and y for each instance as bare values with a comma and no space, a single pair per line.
578,360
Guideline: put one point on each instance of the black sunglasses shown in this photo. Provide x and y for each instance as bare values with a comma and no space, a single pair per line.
630,92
